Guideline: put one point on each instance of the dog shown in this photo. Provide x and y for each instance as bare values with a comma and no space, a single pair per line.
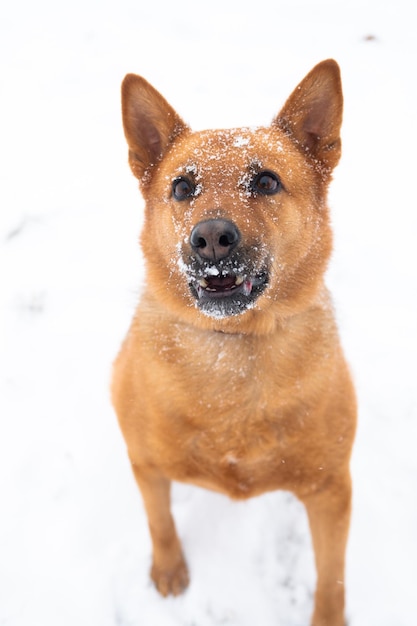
232,376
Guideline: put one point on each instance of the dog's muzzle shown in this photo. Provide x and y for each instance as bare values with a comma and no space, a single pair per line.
223,276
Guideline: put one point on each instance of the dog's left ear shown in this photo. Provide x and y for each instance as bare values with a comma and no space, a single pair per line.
312,115
149,122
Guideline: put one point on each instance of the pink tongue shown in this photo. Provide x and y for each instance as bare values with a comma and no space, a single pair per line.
247,287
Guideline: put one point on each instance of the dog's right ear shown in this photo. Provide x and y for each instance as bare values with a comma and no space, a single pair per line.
150,124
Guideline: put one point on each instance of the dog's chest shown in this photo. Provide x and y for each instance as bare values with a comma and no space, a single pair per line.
215,378
231,386
231,421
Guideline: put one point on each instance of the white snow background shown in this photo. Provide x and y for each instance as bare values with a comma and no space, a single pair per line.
74,546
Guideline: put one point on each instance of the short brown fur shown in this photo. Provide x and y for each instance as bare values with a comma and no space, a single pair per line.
252,400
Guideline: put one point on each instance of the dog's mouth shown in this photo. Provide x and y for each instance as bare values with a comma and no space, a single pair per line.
220,292
224,286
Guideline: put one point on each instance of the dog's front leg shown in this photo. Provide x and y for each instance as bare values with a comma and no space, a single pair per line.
329,517
169,570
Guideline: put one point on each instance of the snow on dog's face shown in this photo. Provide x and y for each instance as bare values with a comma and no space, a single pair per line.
231,224
236,231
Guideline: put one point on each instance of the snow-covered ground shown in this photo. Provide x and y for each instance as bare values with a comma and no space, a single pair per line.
74,547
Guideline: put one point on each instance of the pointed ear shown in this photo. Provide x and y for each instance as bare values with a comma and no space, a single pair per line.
150,123
312,115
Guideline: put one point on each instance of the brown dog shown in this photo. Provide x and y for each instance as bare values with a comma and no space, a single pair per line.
231,376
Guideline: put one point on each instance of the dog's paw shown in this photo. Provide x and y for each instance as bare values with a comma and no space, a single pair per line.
171,581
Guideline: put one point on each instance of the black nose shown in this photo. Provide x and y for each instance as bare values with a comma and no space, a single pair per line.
214,239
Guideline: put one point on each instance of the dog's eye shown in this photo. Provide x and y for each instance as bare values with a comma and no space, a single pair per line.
182,188
266,183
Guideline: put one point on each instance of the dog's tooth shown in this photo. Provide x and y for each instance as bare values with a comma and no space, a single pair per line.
239,280
203,283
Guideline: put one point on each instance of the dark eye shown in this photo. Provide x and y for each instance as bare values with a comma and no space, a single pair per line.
266,183
182,188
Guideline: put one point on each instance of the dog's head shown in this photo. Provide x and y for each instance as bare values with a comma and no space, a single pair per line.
236,232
